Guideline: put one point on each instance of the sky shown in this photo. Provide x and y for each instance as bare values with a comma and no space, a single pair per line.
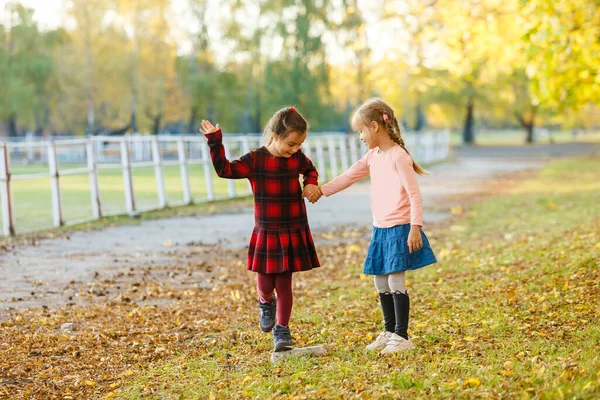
48,13
51,13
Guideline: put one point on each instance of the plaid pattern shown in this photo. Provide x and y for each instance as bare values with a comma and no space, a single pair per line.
281,240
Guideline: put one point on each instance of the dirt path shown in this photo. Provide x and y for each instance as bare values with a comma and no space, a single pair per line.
66,270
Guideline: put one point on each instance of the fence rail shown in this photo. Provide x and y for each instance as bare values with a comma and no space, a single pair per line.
149,168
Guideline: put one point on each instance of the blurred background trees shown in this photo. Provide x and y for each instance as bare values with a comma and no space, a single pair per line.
115,66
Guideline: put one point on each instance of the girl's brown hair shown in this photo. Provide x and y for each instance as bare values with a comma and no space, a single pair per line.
374,110
284,122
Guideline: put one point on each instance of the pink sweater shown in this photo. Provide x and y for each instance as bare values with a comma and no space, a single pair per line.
395,195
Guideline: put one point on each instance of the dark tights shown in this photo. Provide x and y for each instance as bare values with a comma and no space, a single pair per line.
282,283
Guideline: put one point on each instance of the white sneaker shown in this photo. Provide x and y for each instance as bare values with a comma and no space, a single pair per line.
381,341
397,343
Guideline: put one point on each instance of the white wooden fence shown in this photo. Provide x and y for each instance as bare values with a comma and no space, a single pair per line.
331,153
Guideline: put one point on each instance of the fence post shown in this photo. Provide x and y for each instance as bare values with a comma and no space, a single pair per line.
8,225
306,148
30,139
344,152
446,143
321,160
127,178
246,150
55,184
230,182
158,171
332,156
93,174
353,150
207,171
183,168
99,148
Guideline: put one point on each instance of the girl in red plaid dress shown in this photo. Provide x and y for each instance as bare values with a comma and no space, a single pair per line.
281,242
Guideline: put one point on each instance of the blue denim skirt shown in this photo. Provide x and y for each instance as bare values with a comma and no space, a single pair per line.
388,252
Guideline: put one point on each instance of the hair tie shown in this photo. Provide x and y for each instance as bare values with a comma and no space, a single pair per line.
385,117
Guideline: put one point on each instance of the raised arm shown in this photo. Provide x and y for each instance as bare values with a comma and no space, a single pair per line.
237,169
355,173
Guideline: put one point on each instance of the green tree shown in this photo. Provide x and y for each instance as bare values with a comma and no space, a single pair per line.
26,68
563,52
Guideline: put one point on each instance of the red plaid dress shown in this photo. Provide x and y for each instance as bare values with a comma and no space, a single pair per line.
281,240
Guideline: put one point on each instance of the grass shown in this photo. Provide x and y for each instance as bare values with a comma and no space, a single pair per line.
517,138
510,311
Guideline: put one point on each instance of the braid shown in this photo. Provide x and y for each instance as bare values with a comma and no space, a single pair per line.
391,124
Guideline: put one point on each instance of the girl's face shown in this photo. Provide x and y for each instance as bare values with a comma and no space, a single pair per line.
368,133
288,146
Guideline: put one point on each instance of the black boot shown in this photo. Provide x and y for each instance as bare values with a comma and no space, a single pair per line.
268,313
387,306
282,338
401,308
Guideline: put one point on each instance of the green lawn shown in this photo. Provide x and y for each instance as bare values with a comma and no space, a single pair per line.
510,311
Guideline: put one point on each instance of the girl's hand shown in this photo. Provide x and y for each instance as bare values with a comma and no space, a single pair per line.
313,192
208,127
415,242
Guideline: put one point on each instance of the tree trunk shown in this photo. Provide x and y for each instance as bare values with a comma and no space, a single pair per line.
134,70
418,116
192,123
257,125
133,121
12,125
156,124
528,125
468,132
42,117
91,116
210,111
529,138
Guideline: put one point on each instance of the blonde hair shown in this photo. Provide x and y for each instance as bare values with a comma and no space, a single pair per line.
284,122
374,110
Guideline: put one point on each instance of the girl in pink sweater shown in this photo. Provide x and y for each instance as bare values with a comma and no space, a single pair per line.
397,243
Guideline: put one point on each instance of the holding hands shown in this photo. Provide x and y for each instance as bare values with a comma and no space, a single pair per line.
208,127
312,192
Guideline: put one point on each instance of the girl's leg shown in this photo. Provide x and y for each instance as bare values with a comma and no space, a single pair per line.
285,298
282,338
387,302
397,283
387,306
381,283
265,284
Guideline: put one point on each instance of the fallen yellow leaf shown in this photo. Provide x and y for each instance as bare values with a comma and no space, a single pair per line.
472,382
458,210
353,248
